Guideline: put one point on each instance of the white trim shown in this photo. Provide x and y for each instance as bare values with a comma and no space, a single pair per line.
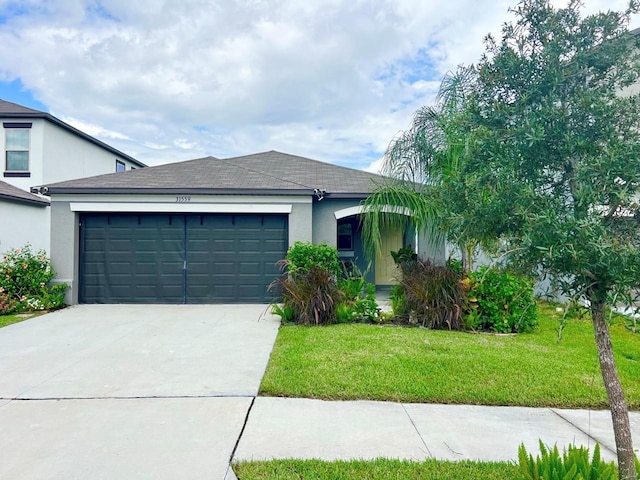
347,212
181,207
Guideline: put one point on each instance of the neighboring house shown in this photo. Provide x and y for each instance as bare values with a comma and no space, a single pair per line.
38,149
208,230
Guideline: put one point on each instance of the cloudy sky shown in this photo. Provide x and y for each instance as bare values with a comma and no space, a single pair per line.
172,80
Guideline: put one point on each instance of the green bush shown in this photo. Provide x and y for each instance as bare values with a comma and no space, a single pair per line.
574,464
432,295
500,301
25,282
302,256
405,254
398,300
359,298
285,312
8,304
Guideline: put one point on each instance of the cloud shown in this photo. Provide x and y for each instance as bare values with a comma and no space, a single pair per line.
166,80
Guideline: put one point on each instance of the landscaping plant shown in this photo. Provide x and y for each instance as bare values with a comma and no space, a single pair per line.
500,301
358,298
574,464
317,290
311,296
433,295
302,256
25,282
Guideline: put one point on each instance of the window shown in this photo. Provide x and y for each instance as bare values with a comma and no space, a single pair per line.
17,141
345,236
120,166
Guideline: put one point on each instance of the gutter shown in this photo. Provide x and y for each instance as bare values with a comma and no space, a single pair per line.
15,199
53,190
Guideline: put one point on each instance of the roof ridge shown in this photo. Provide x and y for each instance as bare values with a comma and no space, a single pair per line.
261,172
313,160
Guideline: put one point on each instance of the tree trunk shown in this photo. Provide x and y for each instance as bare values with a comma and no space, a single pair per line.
617,403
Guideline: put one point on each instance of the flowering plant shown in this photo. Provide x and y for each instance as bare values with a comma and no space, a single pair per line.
25,282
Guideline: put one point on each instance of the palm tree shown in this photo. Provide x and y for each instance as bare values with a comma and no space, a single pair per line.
426,175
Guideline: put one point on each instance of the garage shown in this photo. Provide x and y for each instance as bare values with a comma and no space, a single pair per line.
180,258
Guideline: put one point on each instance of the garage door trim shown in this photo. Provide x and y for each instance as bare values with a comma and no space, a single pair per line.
186,207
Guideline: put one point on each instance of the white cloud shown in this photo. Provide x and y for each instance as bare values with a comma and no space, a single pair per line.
172,80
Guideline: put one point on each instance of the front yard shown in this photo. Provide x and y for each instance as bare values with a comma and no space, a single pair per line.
358,361
380,469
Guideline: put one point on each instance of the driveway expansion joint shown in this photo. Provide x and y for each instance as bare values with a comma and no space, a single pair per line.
415,427
244,425
587,433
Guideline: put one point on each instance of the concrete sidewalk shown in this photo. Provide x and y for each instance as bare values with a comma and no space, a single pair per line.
304,428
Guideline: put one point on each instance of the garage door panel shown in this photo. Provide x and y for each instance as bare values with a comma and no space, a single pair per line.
138,255
139,258
253,268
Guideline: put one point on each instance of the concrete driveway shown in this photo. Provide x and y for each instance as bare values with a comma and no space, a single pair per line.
129,391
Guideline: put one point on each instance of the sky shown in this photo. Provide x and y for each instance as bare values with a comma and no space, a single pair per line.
172,80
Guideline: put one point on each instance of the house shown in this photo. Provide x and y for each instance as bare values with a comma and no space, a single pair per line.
208,230
39,149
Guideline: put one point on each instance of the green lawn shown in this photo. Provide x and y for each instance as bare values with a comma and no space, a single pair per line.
380,469
418,365
11,319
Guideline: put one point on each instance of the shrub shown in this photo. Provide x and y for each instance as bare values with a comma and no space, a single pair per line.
7,304
359,298
405,254
432,295
574,464
302,256
311,296
25,279
500,301
285,312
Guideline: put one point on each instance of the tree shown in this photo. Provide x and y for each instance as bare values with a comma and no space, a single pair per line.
551,162
427,176
559,139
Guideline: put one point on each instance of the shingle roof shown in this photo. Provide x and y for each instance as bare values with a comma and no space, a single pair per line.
15,194
13,110
267,173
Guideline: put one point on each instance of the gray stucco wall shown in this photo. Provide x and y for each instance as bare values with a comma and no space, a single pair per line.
325,227
22,223
65,248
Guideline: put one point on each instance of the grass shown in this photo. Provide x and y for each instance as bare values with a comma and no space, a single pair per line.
11,319
379,469
424,366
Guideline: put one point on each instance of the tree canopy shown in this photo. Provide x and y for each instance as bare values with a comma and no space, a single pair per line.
537,147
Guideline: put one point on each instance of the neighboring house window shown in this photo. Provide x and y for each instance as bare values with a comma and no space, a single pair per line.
120,166
17,142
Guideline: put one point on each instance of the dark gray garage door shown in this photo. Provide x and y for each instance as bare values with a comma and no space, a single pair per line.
167,258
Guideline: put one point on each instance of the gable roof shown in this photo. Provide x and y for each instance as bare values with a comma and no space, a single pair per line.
14,194
270,173
13,110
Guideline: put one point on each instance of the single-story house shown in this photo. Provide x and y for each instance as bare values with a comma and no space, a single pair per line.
209,230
